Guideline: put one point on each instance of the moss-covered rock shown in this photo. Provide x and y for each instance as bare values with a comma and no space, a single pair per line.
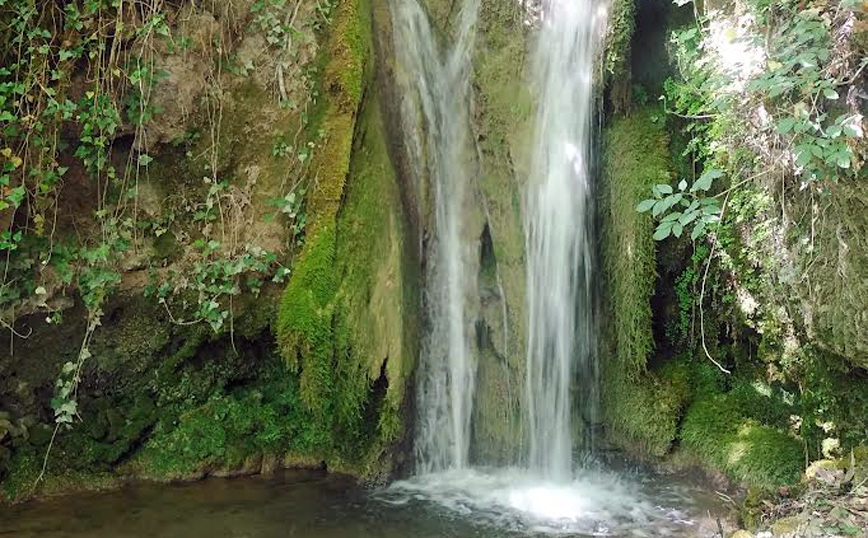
647,412
744,448
636,158
347,318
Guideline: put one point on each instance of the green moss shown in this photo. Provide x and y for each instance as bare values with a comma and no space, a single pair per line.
26,465
621,26
347,68
636,157
341,324
760,455
228,430
304,325
378,287
350,50
647,411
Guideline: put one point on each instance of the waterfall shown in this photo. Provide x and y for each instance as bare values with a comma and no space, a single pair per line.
437,126
560,367
547,495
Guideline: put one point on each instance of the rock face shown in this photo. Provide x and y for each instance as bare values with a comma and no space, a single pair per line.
264,116
776,294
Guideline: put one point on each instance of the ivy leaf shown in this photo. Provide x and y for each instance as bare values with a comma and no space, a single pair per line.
16,195
803,155
645,205
843,160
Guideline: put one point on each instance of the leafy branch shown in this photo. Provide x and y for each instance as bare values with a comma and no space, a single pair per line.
679,209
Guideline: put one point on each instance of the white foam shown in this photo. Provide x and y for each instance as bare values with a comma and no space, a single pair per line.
593,502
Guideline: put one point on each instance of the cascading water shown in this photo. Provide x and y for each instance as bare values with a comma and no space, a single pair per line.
559,244
447,372
547,495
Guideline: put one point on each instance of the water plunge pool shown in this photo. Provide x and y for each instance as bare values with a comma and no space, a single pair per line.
458,504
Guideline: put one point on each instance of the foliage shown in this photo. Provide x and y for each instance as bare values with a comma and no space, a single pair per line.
682,331
801,85
759,96
620,32
695,209
231,427
76,87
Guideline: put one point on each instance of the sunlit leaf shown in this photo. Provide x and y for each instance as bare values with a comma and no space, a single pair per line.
645,205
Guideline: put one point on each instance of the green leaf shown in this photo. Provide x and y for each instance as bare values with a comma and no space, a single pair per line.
663,231
786,125
803,155
145,159
16,195
659,207
697,230
671,217
677,229
705,180
843,160
645,205
850,131
688,217
830,94
664,189
682,185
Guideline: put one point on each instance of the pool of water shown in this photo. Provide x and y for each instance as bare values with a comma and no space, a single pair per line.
473,503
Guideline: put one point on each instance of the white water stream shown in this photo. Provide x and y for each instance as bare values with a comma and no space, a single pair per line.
439,85
561,367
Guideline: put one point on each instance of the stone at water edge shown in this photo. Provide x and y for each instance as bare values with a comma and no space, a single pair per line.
825,471
787,526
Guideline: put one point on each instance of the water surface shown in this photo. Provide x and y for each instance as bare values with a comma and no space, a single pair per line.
475,504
